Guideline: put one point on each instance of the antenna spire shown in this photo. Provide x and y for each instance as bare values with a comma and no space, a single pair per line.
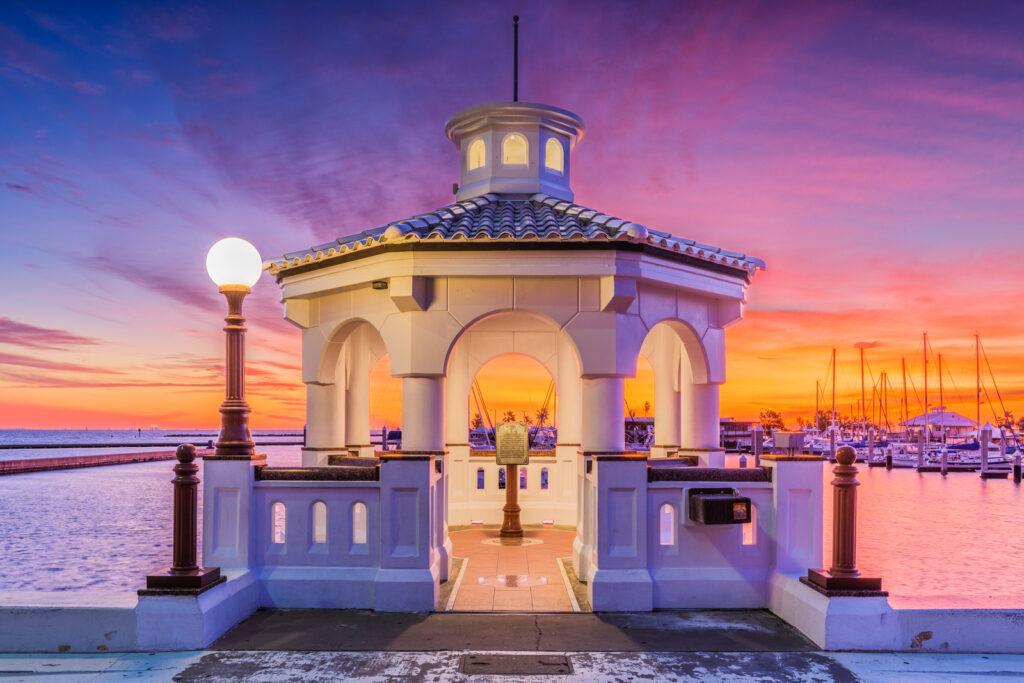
515,58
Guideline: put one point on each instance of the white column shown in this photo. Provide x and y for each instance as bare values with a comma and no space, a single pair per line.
460,482
568,394
666,392
701,423
423,413
357,396
603,414
456,417
324,424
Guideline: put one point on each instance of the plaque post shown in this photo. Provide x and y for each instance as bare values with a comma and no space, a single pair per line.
512,448
510,526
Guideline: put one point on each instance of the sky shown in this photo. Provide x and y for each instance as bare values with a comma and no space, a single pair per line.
871,153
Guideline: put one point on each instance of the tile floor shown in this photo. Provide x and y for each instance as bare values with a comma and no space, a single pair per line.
536,561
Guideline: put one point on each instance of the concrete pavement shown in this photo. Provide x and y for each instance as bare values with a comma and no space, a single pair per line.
323,645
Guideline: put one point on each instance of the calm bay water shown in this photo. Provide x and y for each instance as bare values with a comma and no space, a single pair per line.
71,437
937,542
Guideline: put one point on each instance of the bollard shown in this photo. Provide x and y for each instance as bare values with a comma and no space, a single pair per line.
1016,469
986,438
185,574
743,462
871,444
945,462
832,444
758,443
920,448
843,577
888,460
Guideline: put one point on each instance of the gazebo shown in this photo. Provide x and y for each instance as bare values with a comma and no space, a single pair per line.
514,265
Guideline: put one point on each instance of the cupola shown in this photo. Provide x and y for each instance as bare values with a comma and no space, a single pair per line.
514,148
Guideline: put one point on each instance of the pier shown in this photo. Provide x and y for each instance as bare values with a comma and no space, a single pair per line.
79,461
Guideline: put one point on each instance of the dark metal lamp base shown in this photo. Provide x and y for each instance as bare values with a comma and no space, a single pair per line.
197,580
823,581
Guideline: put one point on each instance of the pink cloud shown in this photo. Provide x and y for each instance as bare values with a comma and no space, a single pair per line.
23,334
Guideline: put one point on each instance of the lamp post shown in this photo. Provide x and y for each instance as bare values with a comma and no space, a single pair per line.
234,266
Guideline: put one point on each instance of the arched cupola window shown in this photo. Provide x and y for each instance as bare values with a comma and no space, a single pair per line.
554,155
515,150
476,157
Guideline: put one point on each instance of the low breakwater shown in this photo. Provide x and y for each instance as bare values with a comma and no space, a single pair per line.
75,462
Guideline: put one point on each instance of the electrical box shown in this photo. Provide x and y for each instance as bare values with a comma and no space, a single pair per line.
789,440
719,506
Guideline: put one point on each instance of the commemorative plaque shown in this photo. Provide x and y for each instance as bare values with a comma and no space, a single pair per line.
512,444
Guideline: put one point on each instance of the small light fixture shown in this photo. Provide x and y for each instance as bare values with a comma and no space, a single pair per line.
380,284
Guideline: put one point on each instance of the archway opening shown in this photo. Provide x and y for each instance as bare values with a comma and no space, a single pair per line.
513,387
385,404
639,408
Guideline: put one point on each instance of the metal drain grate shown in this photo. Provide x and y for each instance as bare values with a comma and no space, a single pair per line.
511,665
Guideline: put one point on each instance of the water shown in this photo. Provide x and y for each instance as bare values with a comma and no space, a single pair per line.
936,542
97,528
171,437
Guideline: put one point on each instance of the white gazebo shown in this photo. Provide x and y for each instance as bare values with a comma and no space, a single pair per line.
514,266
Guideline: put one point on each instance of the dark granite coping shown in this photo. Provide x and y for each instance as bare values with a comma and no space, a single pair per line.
334,473
799,457
259,457
758,474
349,461
846,593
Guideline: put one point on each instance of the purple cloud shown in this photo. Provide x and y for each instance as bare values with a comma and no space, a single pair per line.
22,334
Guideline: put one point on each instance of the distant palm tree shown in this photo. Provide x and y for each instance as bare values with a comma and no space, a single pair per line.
477,422
527,419
509,416
647,408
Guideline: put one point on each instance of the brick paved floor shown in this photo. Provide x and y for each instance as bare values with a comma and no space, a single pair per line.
482,588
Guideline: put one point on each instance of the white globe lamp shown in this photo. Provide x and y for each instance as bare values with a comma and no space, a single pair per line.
234,266
233,262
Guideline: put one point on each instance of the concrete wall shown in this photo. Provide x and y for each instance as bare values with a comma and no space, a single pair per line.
79,621
300,572
710,566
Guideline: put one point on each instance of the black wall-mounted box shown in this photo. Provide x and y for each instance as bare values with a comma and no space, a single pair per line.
719,506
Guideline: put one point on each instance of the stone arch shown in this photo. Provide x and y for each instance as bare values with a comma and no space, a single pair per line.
334,344
505,314
336,369
510,331
700,361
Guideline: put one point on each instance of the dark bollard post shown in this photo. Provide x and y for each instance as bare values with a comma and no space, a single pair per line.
511,526
185,574
1016,469
843,578
888,460
757,439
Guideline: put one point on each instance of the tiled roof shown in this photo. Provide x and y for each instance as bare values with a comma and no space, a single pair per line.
493,218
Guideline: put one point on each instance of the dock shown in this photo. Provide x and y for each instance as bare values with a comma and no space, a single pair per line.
78,461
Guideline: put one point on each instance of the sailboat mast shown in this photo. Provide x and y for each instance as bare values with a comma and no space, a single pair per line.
863,405
977,380
833,389
942,410
817,394
906,408
927,427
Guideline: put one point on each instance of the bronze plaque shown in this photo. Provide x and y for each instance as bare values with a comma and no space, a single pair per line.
512,444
